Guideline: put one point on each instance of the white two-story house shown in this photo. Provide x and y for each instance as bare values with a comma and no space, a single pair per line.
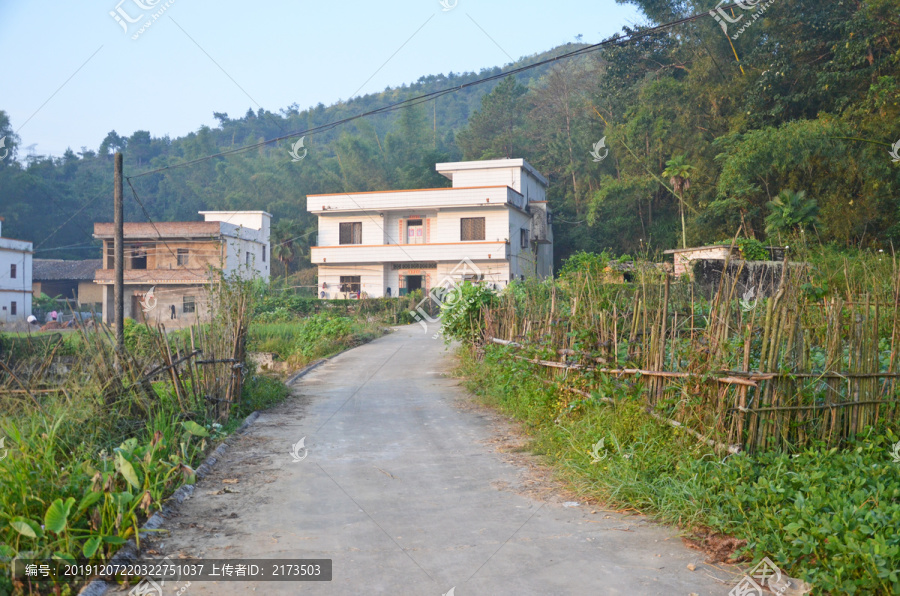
15,278
493,224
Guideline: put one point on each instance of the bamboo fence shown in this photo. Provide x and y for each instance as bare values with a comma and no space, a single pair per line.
776,372
202,366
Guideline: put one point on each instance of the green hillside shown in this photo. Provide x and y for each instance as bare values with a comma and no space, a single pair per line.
781,124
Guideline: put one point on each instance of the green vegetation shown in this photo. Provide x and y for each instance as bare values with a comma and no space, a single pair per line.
79,482
792,212
272,305
826,516
300,341
819,498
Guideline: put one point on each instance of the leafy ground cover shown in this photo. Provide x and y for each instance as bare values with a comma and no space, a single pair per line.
826,516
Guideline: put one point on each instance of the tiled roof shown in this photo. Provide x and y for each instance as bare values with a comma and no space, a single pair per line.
164,229
154,276
58,269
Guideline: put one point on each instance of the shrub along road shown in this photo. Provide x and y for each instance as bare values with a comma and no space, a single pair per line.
403,487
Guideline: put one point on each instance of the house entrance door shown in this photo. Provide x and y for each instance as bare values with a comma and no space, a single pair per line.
413,283
414,233
137,309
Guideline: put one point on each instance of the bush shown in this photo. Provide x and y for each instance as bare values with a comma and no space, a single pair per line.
462,311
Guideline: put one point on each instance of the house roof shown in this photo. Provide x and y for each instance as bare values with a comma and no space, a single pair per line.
487,164
59,269
695,248
708,246
164,229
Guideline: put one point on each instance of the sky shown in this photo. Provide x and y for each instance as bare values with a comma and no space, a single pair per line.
73,71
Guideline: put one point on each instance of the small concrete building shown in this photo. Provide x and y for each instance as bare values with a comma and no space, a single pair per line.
15,278
169,265
69,280
684,257
493,224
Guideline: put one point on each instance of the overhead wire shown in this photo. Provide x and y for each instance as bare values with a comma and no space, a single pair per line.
615,41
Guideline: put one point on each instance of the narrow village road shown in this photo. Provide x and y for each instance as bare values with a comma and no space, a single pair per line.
411,489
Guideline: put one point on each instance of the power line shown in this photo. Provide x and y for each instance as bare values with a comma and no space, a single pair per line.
147,215
74,215
615,41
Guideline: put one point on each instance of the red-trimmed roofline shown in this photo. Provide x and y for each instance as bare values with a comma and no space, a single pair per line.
375,192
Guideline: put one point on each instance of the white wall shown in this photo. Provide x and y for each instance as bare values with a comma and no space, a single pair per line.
371,280
514,173
532,188
442,226
18,289
448,223
243,232
487,177
395,224
373,228
376,278
236,258
522,260
252,220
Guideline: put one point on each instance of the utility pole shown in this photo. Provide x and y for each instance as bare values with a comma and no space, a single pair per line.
119,256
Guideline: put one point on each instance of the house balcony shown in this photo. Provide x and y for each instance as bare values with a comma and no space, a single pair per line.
409,253
404,200
181,275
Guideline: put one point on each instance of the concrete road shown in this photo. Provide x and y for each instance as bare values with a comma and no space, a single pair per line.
403,487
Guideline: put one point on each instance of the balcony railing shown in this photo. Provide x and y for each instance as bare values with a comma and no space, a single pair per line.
431,198
409,253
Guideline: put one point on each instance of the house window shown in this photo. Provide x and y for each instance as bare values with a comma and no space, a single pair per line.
188,305
523,238
182,257
350,283
264,253
247,258
138,255
471,228
12,271
351,233
12,308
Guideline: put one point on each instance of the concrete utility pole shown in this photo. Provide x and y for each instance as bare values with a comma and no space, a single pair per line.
119,256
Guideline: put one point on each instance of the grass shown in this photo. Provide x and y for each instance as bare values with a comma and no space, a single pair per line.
299,341
828,517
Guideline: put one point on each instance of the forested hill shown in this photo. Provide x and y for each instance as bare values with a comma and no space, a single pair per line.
392,150
780,121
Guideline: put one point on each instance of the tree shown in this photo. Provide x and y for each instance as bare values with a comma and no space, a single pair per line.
679,174
10,140
791,211
496,130
284,242
112,143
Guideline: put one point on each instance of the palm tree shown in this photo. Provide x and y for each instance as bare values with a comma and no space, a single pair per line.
284,235
790,211
679,173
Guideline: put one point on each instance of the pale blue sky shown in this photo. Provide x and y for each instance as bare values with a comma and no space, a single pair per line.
247,55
